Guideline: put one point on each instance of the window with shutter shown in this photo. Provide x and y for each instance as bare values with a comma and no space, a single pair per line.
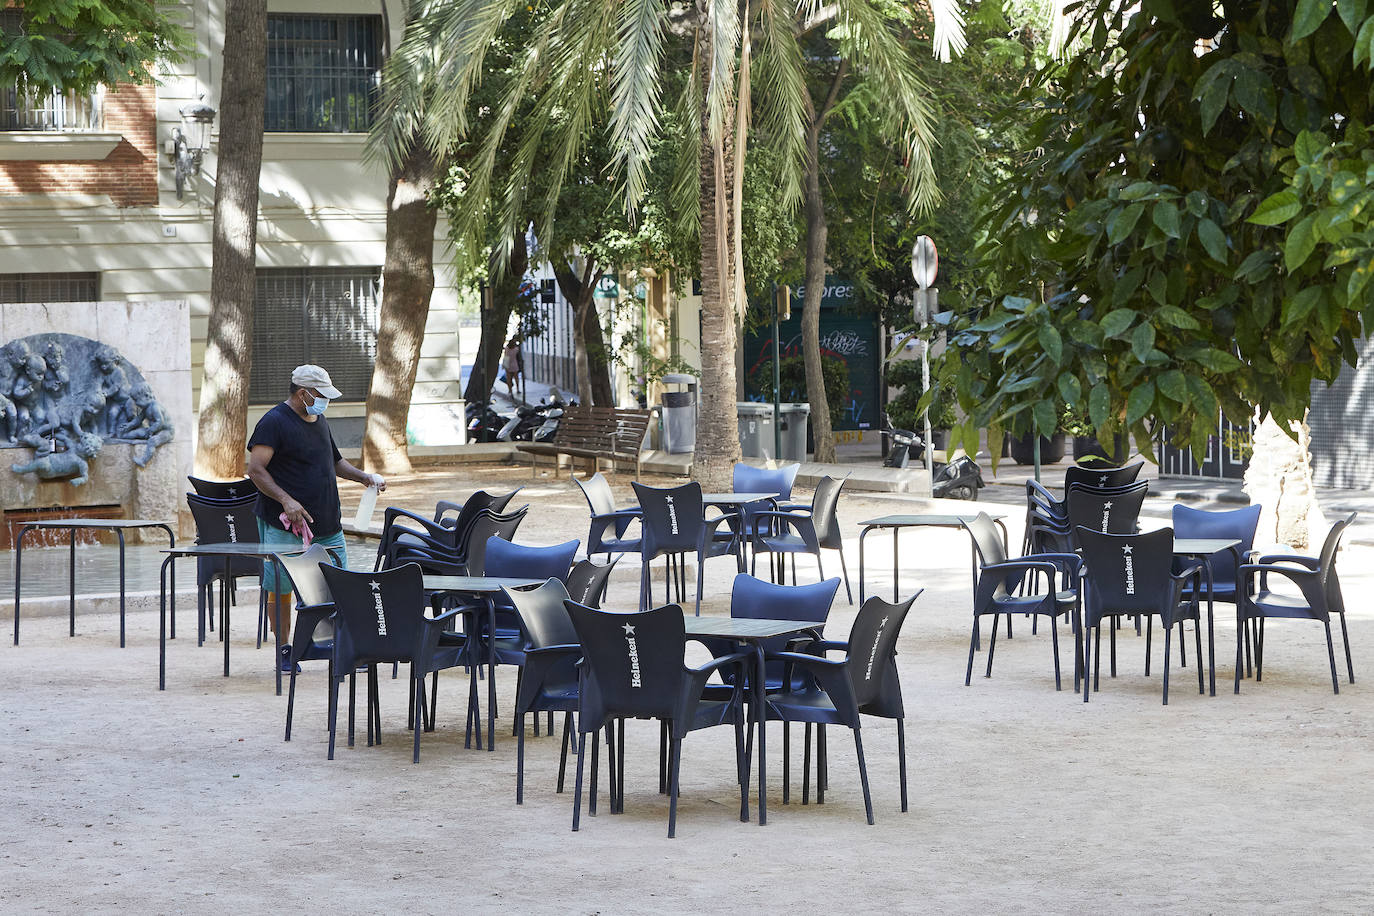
326,316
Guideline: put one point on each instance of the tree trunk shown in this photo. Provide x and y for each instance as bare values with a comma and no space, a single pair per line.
717,447
222,427
407,283
1279,478
816,232
589,345
505,288
598,355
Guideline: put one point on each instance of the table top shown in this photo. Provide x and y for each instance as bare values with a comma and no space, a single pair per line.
933,521
1201,546
747,628
237,549
110,523
726,499
476,584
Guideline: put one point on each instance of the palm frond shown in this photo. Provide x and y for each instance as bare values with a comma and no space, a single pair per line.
948,39
722,22
883,58
463,30
781,92
635,91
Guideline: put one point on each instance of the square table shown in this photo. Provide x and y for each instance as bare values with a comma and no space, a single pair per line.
484,589
224,551
750,633
1204,549
117,525
898,522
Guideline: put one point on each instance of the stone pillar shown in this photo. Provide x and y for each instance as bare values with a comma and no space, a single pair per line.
1279,478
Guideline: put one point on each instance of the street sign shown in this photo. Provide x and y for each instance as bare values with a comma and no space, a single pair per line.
925,261
607,287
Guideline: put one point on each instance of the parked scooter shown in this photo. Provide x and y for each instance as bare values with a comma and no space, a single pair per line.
484,423
957,479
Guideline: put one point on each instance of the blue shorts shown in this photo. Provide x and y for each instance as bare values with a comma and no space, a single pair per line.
275,580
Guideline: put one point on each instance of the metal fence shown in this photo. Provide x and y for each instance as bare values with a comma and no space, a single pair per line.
1228,453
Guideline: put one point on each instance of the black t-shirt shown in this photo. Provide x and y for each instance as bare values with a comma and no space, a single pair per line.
303,459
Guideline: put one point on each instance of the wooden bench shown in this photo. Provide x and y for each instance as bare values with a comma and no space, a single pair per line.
596,433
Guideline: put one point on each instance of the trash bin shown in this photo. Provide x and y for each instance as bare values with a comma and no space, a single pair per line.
794,418
755,429
680,414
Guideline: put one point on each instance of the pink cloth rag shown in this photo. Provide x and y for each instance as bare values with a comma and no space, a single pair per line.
301,529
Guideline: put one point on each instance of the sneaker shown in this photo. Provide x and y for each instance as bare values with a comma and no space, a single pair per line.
286,666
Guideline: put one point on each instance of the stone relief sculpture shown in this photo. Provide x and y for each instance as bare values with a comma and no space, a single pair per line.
69,401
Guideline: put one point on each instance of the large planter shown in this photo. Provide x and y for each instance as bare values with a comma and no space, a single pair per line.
1087,450
1051,449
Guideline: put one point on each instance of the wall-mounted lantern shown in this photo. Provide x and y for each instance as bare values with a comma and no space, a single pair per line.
186,150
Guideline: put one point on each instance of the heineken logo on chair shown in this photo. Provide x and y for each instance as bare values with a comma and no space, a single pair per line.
377,603
635,680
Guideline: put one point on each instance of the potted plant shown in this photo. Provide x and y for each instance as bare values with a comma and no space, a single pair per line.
1086,447
902,407
1051,448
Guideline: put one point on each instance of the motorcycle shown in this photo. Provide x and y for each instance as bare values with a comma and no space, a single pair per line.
484,423
960,478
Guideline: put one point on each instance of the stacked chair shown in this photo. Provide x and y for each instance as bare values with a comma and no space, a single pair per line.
225,520
408,536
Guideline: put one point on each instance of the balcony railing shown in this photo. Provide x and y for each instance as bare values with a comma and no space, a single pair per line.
56,110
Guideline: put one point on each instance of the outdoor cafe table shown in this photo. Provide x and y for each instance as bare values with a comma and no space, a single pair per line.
484,589
898,522
225,552
750,633
117,525
1204,549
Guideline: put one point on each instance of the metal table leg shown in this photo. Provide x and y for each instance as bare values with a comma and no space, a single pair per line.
71,582
224,613
762,718
18,569
120,535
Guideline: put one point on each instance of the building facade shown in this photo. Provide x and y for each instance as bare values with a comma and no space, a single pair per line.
89,207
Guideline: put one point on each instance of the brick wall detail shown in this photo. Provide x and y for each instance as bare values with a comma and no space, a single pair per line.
128,175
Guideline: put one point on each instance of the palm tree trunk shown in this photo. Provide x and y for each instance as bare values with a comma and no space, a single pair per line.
223,421
407,284
717,447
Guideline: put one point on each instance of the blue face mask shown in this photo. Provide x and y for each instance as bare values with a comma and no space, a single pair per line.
318,407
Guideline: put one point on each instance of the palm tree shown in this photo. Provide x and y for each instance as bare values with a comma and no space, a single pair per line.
582,42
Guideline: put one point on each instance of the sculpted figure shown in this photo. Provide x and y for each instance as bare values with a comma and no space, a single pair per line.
65,425
113,385
151,423
72,463
27,391
56,377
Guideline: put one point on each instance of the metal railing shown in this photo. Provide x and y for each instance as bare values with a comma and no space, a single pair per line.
55,110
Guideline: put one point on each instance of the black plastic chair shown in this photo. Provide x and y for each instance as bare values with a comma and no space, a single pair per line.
635,667
1007,586
1114,511
803,531
1131,574
587,581
548,681
484,528
864,682
606,517
1319,597
674,523
225,521
223,489
1102,476
312,637
380,618
446,534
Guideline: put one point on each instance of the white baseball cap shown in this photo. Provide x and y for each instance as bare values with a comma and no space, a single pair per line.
317,378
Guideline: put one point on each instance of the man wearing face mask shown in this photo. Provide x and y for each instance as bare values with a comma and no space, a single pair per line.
293,461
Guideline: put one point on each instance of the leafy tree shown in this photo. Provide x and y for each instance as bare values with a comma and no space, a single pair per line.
1188,232
724,45
81,44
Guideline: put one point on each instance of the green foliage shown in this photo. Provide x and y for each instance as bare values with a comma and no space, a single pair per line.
792,380
80,44
1190,233
904,408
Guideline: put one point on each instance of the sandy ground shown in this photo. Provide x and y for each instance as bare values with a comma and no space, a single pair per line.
120,798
